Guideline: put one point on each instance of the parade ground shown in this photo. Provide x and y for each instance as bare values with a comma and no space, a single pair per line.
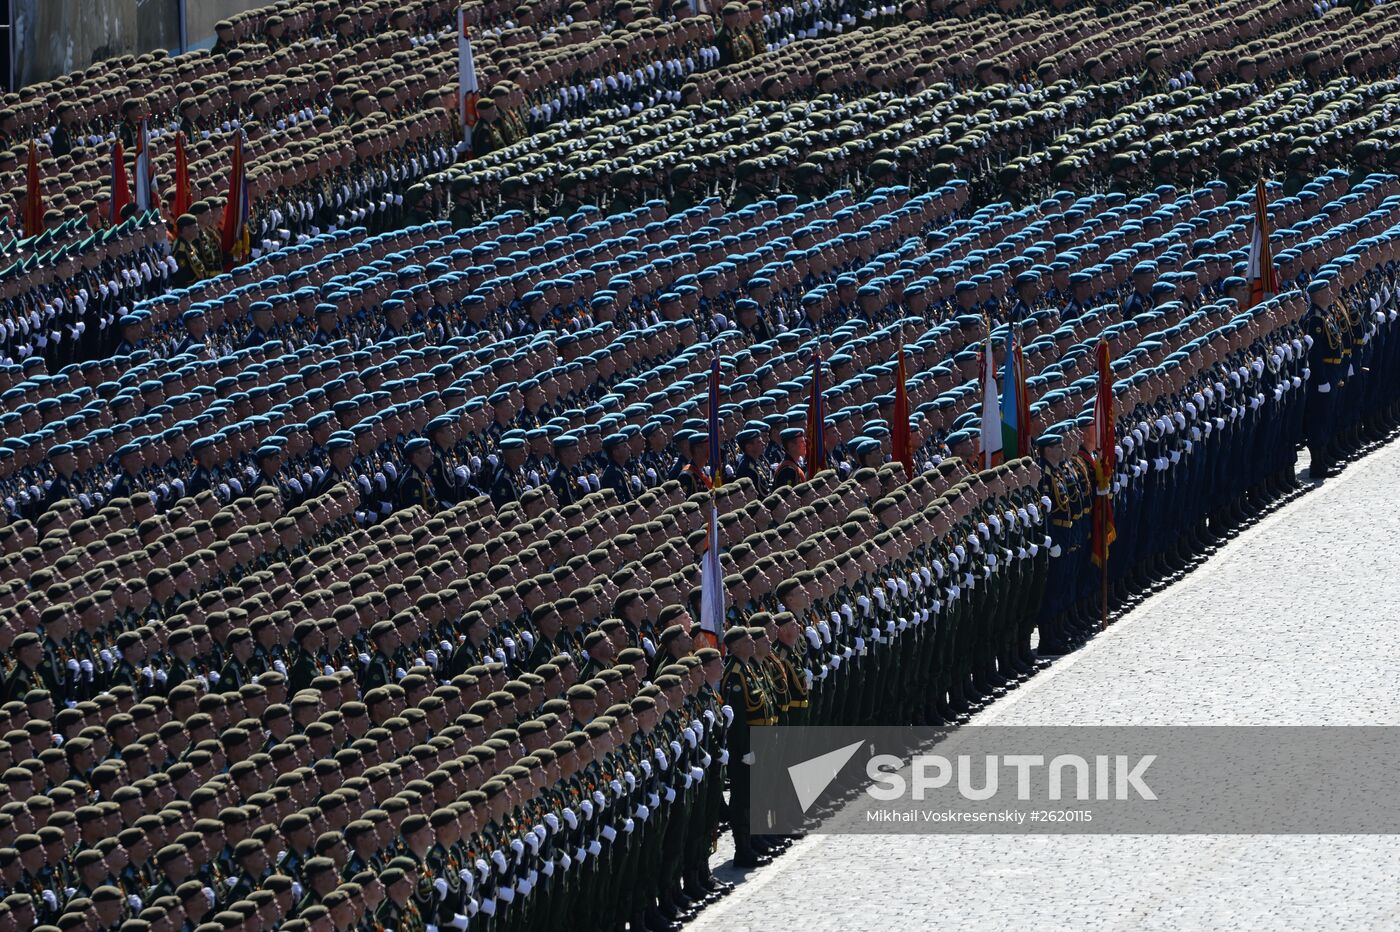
1291,623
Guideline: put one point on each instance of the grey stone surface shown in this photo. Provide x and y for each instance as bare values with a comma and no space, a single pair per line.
1292,623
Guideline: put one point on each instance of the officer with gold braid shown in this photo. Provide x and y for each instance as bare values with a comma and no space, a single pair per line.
742,687
790,652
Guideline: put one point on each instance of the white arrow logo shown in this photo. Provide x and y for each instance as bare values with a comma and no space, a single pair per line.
811,777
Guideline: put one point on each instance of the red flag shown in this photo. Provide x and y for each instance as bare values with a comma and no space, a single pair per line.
233,235
1105,457
902,441
183,198
1263,278
33,196
121,191
816,421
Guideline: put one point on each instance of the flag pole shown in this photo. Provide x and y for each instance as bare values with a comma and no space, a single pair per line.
1103,593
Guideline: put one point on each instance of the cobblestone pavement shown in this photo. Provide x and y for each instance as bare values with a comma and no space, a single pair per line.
1293,623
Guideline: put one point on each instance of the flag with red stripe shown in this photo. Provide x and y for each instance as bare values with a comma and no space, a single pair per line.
1263,278
234,233
468,90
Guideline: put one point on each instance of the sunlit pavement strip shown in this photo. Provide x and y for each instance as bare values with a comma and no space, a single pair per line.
1294,622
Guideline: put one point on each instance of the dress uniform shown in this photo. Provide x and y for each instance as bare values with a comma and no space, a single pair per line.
753,466
789,472
415,487
189,265
743,689
1323,330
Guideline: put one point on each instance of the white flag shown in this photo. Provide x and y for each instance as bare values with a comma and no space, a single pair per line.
142,169
467,87
991,410
712,582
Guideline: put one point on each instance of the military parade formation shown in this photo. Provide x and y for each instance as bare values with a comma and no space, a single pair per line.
358,474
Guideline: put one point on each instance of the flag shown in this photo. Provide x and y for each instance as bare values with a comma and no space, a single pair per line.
1105,457
33,195
144,172
899,433
183,197
121,192
991,410
816,421
712,584
1015,406
716,470
1263,279
467,87
233,236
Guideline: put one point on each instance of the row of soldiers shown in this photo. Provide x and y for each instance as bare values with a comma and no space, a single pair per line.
822,668
780,134
944,613
1212,443
495,454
